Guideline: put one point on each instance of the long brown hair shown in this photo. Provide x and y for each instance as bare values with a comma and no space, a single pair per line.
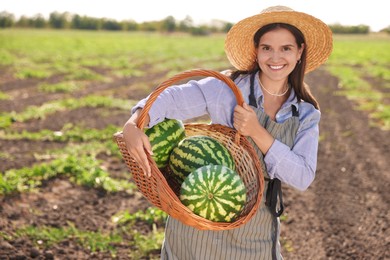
297,75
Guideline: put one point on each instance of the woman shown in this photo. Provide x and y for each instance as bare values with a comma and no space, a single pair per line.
271,52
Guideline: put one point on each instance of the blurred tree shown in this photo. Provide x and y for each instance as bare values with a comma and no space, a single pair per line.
168,24
6,19
110,24
149,26
85,23
38,21
343,29
202,30
386,30
186,24
23,22
227,27
59,21
130,25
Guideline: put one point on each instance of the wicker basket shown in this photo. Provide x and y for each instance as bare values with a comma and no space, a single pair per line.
162,192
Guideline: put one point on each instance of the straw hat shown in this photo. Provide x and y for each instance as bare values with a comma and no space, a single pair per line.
240,49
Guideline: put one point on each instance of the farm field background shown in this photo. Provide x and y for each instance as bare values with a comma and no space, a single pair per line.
65,191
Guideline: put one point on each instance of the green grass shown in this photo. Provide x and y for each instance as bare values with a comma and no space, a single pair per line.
69,133
4,96
151,216
142,244
61,87
358,61
40,112
45,236
361,50
42,53
82,170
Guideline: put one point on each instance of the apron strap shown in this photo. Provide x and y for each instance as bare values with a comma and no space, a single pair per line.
295,111
252,99
274,195
274,192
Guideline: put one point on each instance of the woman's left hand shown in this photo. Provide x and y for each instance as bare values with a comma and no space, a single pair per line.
245,120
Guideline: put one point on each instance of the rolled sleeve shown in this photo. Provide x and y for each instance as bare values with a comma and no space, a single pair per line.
296,166
190,100
275,154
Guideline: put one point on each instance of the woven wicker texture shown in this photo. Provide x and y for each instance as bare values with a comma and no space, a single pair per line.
163,192
239,45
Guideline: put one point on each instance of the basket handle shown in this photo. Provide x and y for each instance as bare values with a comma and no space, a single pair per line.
186,74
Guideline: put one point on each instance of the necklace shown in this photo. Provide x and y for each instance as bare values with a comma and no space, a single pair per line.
272,94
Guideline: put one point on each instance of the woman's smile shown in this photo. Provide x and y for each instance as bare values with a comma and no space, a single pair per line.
276,67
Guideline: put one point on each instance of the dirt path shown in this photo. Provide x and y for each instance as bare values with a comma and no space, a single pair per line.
343,215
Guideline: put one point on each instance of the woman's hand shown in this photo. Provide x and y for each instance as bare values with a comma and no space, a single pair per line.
245,120
246,123
137,143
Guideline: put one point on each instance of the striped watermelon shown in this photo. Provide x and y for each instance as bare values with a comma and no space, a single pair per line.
163,137
214,192
196,151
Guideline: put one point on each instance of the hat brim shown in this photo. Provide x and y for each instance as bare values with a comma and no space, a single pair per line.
240,49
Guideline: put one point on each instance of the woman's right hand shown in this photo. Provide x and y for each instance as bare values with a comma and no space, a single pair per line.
137,143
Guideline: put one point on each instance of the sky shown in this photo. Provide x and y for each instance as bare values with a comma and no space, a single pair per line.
373,13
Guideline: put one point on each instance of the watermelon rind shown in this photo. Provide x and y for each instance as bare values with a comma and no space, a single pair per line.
196,151
164,137
214,192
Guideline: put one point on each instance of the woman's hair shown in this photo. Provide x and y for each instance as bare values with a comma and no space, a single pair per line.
297,75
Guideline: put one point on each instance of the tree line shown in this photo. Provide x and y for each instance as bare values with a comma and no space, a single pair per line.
66,20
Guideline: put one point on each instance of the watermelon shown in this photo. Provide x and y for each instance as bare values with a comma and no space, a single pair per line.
163,137
196,151
214,192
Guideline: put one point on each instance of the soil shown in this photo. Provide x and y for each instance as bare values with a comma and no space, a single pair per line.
343,215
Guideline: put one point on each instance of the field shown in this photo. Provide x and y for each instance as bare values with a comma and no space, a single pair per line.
65,192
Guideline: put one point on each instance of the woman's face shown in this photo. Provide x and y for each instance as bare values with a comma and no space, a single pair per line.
278,54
